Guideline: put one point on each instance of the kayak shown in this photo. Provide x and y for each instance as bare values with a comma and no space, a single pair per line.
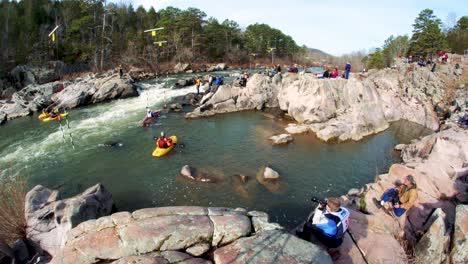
48,119
44,115
159,152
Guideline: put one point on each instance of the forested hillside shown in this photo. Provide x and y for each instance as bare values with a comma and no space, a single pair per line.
100,35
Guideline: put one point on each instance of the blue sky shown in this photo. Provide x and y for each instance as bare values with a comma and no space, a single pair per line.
336,26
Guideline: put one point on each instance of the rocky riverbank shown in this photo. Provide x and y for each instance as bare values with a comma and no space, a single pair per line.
90,89
342,109
85,229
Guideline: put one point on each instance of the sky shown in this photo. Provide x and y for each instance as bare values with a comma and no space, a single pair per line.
336,27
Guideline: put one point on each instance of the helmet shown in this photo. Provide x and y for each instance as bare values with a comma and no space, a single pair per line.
163,134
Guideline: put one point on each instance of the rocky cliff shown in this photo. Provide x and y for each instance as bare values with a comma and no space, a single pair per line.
337,108
93,88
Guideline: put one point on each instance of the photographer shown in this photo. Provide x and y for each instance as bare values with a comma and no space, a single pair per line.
330,222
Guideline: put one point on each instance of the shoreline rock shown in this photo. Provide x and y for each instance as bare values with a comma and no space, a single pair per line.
337,108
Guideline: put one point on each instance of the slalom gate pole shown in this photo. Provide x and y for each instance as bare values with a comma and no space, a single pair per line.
69,132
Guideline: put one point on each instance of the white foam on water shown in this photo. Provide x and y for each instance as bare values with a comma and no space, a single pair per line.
106,119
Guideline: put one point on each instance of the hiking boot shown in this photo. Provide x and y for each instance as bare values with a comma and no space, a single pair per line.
377,203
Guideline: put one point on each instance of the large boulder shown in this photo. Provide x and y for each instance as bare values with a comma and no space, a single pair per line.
181,67
153,230
433,246
185,82
74,95
459,254
49,219
113,88
275,246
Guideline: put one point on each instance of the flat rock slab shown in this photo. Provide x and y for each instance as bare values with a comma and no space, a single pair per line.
281,139
271,247
191,229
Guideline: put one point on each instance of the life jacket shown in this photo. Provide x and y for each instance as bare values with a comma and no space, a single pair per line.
161,143
341,219
168,142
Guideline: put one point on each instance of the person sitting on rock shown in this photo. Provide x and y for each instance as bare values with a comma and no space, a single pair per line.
326,74
463,121
335,73
401,198
164,142
329,223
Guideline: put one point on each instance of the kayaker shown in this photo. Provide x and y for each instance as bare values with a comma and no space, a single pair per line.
164,142
54,113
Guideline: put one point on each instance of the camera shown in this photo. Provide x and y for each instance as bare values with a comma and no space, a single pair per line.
323,202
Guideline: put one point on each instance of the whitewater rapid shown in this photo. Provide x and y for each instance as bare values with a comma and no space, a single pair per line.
87,124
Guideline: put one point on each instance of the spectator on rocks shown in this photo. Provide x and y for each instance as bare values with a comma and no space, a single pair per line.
278,68
326,74
197,84
401,198
335,73
421,62
120,71
347,70
463,121
210,83
329,223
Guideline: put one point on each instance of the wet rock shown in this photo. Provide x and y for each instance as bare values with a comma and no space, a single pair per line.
400,147
111,144
113,87
3,118
434,245
270,174
186,172
242,178
21,251
176,107
197,175
49,220
297,129
218,67
185,82
459,252
271,247
354,192
270,179
181,67
281,139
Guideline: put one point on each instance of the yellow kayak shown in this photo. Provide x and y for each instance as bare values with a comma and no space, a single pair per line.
62,116
159,152
44,115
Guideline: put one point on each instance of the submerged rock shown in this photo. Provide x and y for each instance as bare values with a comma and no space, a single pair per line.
197,175
111,144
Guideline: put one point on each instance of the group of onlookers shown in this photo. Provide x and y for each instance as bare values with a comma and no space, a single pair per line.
335,73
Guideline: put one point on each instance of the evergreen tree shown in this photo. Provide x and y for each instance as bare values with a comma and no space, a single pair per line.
427,36
457,37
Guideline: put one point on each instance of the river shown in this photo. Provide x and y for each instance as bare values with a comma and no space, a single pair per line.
224,145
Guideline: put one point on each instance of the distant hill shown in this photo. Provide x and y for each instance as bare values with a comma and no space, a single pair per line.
316,53
319,57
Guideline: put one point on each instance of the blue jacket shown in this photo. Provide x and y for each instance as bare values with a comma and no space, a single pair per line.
348,67
219,81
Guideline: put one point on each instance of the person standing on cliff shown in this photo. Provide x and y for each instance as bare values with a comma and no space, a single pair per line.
347,70
120,71
198,83
401,198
